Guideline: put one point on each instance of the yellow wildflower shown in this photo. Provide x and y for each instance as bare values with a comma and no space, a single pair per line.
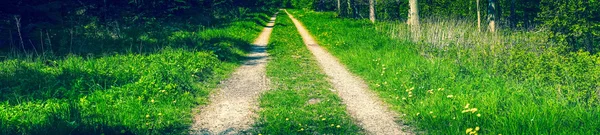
469,130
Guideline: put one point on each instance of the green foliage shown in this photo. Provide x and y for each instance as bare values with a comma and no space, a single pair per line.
300,101
120,91
455,81
576,22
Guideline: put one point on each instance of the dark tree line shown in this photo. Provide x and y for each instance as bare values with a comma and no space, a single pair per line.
41,25
575,22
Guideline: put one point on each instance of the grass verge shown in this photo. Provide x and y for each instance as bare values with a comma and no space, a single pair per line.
300,100
124,92
439,96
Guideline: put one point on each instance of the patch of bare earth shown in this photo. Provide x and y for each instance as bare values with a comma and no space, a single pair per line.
364,106
233,106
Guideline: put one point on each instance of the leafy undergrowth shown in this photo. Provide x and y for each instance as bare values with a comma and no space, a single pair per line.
125,92
449,95
300,100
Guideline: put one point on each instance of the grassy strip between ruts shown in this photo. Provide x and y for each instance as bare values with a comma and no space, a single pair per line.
300,100
149,93
439,96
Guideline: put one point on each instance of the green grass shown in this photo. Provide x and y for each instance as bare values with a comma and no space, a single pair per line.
296,82
439,93
121,91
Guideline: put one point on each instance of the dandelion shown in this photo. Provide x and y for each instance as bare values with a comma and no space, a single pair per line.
472,110
403,98
450,96
410,89
478,115
418,114
338,126
286,119
332,125
469,130
152,101
323,119
147,115
159,114
472,131
430,112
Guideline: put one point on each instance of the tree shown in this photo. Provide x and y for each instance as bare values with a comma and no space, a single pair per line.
372,10
492,15
413,13
339,10
478,17
349,8
512,17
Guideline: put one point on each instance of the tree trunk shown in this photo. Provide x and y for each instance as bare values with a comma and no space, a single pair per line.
354,9
413,13
349,8
372,10
339,7
513,19
492,15
478,17
413,19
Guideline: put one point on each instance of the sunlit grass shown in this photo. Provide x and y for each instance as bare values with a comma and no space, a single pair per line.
120,90
300,100
445,88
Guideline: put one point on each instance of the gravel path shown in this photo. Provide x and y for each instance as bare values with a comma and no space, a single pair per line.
232,108
367,110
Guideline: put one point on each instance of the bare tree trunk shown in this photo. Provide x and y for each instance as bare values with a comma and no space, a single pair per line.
18,23
42,41
49,42
413,19
513,19
492,15
12,42
413,13
354,9
478,17
339,7
349,8
372,10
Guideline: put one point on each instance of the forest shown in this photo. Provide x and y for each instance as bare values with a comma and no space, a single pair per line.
299,67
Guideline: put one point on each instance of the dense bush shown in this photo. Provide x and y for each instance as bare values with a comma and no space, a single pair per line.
576,22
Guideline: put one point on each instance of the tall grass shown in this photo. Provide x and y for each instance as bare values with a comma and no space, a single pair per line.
114,90
456,81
